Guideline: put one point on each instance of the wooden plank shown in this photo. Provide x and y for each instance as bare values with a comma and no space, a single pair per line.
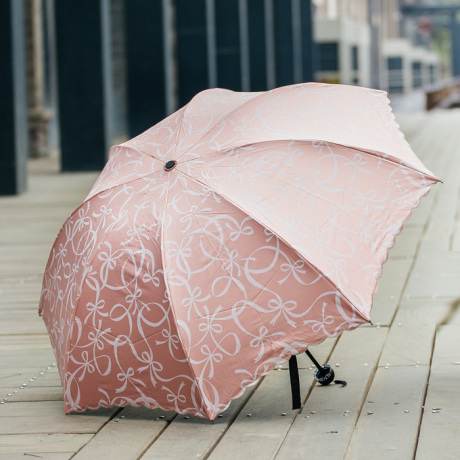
32,280
14,255
20,358
5,394
389,290
128,435
407,241
424,141
48,408
435,274
41,347
325,425
410,124
58,422
27,300
411,335
37,455
176,439
20,305
195,436
454,318
260,435
441,417
27,444
53,393
455,239
25,341
32,377
17,371
437,237
439,436
13,323
421,213
20,267
22,409
389,420
23,256
25,284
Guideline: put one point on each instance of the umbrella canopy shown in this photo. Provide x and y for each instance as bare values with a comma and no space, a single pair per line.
233,234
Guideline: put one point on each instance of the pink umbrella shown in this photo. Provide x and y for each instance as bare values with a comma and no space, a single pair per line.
227,238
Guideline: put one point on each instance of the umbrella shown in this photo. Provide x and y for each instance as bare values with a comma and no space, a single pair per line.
232,235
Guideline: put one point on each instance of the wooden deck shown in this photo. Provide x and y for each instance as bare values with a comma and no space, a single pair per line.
402,400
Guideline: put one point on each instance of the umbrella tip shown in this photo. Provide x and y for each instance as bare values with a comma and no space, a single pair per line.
170,165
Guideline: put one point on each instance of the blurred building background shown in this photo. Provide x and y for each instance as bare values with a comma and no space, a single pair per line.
79,76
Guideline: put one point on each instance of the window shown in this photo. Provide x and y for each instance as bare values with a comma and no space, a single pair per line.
328,57
354,58
417,74
395,74
395,63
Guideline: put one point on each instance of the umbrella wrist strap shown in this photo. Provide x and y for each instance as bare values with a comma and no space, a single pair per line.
295,382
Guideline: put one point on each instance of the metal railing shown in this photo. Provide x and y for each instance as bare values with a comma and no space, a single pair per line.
443,94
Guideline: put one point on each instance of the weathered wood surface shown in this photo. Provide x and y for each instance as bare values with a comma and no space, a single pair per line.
324,427
403,394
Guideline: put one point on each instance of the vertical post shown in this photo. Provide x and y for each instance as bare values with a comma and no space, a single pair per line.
228,50
118,70
169,42
297,41
257,45
38,115
107,80
309,55
244,45
375,16
284,56
13,115
192,49
145,64
83,68
211,41
51,89
270,44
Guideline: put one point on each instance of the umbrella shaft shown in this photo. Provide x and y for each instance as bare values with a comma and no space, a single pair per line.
318,366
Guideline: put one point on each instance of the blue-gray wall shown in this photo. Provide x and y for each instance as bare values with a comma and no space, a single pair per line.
14,149
123,65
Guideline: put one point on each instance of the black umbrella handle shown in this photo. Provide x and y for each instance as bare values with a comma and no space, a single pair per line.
324,375
295,382
317,365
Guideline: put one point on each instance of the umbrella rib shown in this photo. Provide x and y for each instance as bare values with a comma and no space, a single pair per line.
163,262
274,91
381,155
137,148
179,131
76,308
257,94
137,152
217,153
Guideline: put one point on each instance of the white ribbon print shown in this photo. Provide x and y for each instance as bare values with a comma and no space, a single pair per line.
177,289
